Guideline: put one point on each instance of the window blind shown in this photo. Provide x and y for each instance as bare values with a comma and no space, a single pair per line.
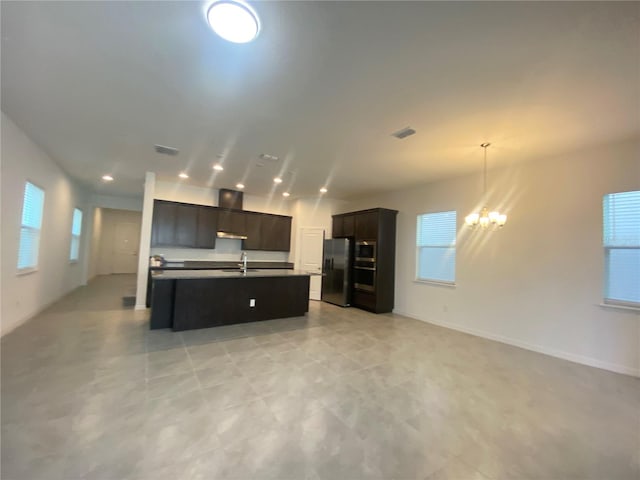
621,239
32,209
76,231
436,246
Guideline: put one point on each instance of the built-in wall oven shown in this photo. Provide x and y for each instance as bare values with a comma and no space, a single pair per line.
364,266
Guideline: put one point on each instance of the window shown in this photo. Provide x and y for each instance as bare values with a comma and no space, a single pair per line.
30,227
436,247
621,238
76,231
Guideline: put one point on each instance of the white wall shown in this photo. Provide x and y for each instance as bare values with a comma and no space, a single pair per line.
117,202
25,295
537,283
96,235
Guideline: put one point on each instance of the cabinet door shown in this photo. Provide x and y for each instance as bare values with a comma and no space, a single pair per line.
349,226
282,234
268,233
207,227
238,222
337,230
164,224
254,232
232,221
366,226
186,225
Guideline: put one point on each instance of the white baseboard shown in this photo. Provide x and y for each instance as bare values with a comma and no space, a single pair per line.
142,306
592,362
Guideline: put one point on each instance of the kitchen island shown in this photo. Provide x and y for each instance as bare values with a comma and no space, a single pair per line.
190,299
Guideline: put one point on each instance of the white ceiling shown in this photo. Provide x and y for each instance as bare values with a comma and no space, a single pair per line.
96,84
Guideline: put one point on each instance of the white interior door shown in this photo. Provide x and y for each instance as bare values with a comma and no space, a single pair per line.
125,248
311,244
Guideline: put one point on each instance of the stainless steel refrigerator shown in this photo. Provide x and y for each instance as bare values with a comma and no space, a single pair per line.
336,271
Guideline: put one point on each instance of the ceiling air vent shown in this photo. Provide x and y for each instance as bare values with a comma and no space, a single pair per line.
404,133
164,150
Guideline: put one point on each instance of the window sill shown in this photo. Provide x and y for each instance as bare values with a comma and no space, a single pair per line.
26,271
73,262
435,283
628,308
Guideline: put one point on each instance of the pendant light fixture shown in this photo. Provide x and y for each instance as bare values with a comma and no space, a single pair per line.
486,219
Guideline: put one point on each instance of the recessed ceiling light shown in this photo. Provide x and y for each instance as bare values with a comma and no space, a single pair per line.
285,194
107,178
218,167
183,175
239,186
323,190
277,180
233,20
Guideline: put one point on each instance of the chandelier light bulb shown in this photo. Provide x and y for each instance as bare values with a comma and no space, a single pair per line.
485,218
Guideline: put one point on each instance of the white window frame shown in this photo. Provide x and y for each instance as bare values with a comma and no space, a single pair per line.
37,230
613,302
452,247
75,237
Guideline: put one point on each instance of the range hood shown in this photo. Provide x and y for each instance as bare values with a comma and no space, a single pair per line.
231,199
233,236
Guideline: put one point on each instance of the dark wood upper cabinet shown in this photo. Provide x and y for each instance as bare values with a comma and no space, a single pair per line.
186,225
196,226
254,231
366,227
337,230
268,232
283,234
207,227
276,232
344,226
163,229
232,221
349,225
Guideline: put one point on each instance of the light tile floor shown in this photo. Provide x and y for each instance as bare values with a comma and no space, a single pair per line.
89,392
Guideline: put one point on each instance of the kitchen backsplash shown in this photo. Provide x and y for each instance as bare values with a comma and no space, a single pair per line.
226,250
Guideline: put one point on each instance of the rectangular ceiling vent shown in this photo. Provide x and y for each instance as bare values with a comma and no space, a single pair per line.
404,133
164,150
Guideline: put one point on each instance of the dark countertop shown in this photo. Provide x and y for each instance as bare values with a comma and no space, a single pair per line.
197,274
202,265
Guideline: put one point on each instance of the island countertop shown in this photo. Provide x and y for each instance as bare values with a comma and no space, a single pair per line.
207,274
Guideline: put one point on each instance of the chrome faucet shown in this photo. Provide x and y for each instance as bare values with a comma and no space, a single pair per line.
243,259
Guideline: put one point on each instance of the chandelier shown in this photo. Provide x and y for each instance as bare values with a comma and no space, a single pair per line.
486,219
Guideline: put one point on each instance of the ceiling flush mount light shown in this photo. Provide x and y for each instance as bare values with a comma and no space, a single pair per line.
183,175
485,218
233,20
277,180
239,186
218,167
285,194
107,178
323,190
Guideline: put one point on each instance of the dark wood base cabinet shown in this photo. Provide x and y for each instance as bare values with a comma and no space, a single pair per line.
186,304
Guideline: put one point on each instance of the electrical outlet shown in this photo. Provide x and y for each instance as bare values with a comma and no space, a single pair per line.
252,302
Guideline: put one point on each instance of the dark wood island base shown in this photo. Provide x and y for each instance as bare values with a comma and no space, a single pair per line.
203,300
